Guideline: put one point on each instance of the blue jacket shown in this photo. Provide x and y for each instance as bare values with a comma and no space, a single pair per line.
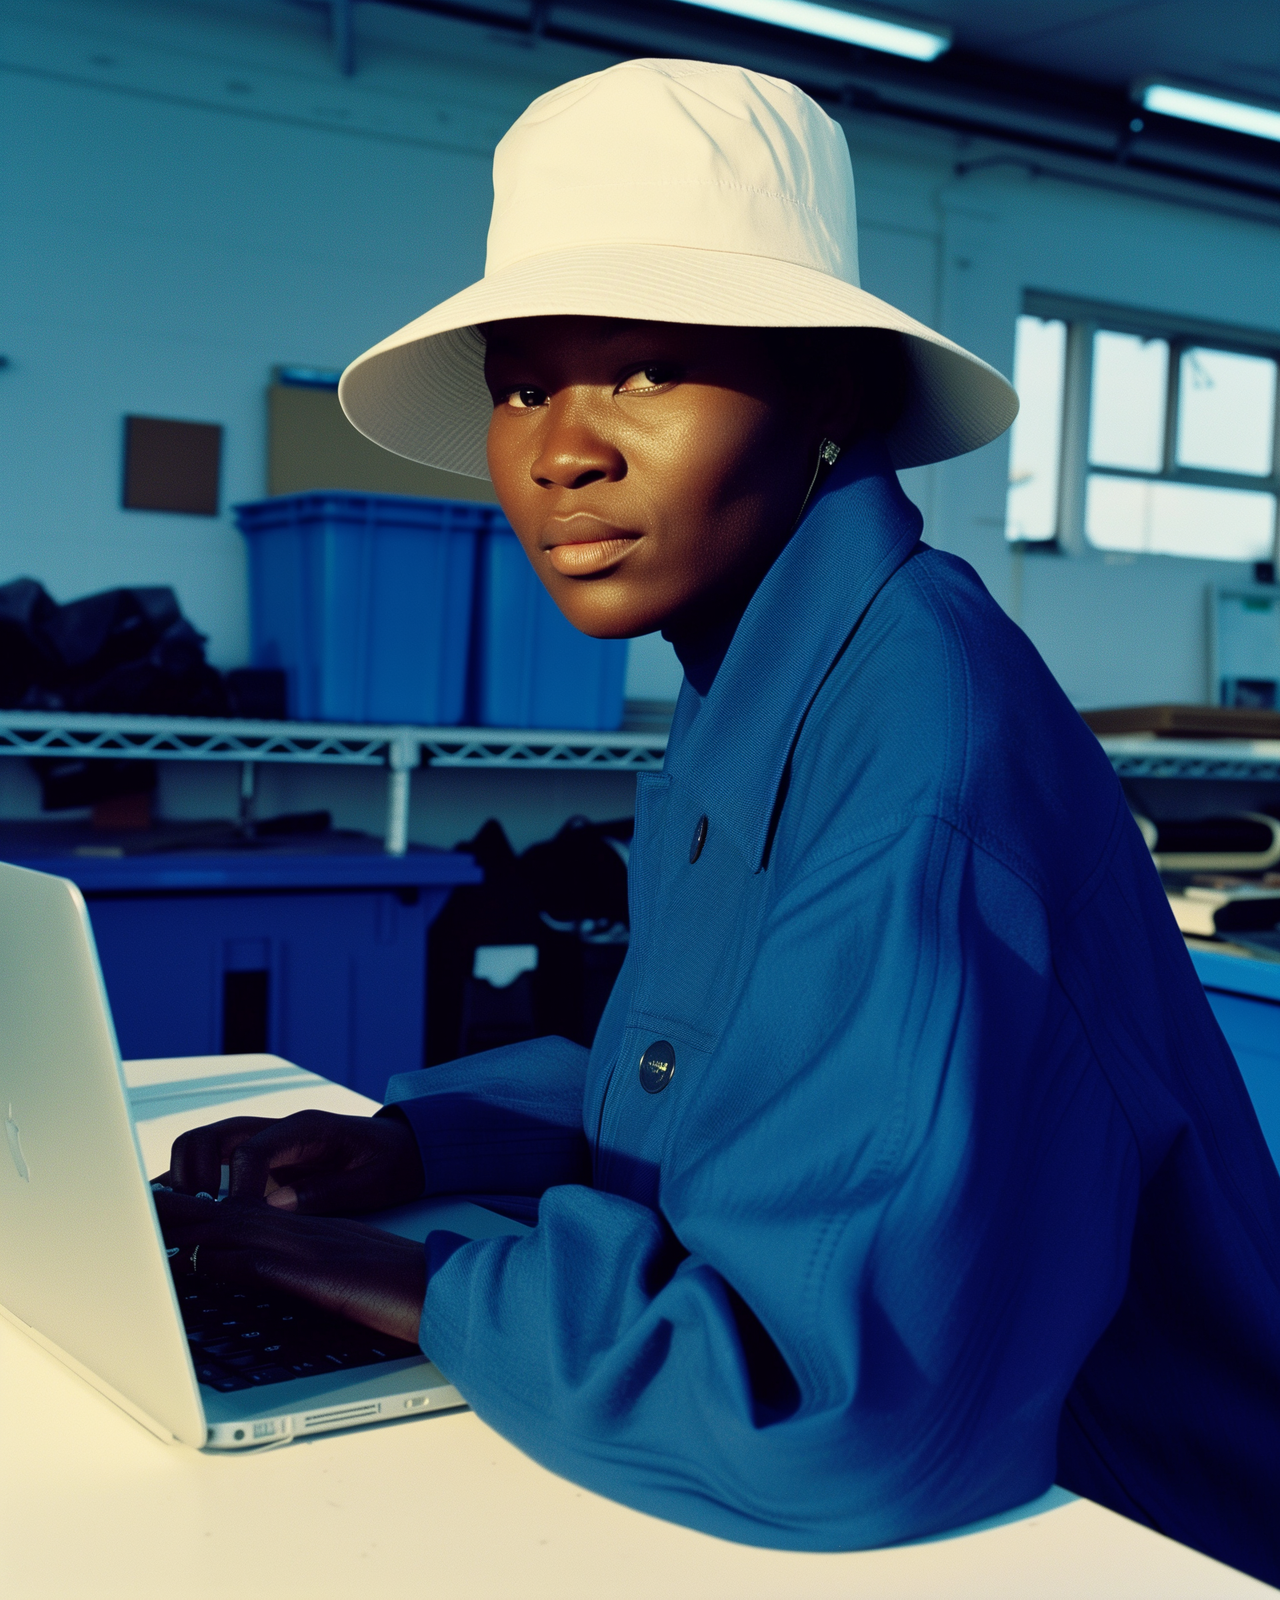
953,1188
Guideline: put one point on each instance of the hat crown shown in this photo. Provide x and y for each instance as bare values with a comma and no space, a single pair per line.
679,153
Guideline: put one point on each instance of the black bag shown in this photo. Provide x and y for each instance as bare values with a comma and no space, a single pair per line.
567,897
123,650
26,655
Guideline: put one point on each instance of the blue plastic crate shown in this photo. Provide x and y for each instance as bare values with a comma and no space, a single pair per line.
533,669
365,601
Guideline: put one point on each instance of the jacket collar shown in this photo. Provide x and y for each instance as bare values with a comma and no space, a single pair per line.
733,745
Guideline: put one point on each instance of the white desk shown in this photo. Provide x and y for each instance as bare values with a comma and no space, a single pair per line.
441,1508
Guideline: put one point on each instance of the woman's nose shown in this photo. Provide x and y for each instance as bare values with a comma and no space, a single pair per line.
574,451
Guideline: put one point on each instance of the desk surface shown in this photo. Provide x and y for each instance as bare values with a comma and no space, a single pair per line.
442,1508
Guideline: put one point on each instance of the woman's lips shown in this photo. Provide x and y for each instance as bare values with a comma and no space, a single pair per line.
589,549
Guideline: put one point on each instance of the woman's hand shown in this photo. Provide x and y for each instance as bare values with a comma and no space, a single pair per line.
375,1278
313,1162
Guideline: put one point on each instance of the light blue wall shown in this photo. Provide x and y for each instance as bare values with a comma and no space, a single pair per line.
193,194
161,256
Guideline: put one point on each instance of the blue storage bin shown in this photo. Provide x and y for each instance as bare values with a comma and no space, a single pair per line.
365,601
533,669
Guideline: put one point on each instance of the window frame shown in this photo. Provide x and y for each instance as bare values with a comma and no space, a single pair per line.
1084,318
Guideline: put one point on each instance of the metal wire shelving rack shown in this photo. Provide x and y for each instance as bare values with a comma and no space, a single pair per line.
402,750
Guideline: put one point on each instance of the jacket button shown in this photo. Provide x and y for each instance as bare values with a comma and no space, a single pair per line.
657,1066
699,839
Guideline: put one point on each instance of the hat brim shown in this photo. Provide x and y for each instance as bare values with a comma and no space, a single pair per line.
421,392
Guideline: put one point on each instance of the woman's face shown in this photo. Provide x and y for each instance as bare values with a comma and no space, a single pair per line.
652,470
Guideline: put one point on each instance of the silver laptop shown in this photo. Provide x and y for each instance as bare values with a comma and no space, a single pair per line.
83,1267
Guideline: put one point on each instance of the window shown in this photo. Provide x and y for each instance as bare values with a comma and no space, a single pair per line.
1143,435
1039,368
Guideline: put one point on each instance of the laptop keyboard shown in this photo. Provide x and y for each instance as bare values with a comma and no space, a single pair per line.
243,1338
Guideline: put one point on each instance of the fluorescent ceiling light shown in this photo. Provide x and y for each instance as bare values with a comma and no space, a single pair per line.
1192,105
920,41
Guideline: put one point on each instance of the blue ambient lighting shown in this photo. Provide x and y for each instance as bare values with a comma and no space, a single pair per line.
919,41
1241,116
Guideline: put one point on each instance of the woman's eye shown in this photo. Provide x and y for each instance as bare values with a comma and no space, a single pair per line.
651,377
526,397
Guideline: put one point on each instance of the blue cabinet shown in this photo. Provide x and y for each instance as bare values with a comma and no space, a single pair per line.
316,955
1245,996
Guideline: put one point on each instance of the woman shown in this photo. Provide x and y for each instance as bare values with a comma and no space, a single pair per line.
908,1169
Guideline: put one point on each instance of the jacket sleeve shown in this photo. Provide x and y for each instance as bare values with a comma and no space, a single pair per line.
503,1122
900,1222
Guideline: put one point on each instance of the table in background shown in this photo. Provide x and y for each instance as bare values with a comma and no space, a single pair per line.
441,1507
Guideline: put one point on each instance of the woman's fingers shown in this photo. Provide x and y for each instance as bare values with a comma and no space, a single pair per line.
253,1148
232,1241
198,1157
360,1272
316,1142
369,1186
210,1262
187,1221
313,1162
326,1165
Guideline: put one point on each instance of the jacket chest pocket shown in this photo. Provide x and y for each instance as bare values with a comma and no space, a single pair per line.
694,922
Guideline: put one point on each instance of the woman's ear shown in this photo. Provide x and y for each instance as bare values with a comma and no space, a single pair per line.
844,419
866,378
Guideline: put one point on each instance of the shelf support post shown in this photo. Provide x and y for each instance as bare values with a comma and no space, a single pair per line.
402,757
248,785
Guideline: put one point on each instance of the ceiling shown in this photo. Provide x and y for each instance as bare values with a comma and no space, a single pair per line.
1232,44
1051,78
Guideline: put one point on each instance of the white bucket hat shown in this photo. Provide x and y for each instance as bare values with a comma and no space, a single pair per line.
664,191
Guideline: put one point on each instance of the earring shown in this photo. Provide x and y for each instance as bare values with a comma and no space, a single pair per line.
828,455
